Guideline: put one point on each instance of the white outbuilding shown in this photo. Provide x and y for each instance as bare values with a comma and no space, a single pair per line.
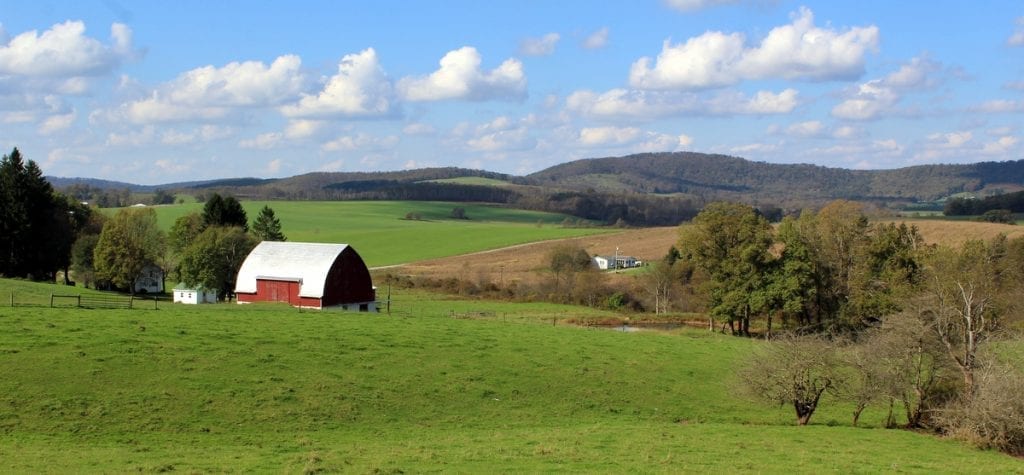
194,294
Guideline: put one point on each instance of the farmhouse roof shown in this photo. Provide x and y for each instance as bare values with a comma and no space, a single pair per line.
305,262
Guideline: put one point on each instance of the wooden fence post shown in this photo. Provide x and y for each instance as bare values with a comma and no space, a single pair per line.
51,300
131,300
79,304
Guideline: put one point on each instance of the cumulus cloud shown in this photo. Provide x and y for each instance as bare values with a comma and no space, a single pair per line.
263,141
460,77
799,50
999,106
360,88
597,39
64,51
646,105
1017,38
210,93
880,97
632,138
542,46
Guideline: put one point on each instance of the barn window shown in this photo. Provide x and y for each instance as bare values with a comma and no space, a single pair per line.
364,307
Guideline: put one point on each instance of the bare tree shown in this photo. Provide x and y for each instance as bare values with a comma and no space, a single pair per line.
792,370
959,294
993,417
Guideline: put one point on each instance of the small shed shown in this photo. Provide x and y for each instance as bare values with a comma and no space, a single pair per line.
194,294
309,275
616,262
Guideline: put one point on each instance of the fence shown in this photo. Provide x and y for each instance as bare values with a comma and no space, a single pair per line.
100,301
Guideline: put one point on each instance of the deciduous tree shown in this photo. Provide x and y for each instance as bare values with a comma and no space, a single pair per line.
130,241
214,258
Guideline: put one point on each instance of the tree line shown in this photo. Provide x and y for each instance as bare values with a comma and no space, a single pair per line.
1006,202
866,313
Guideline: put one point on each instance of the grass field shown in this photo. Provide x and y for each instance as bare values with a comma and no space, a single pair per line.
378,230
266,388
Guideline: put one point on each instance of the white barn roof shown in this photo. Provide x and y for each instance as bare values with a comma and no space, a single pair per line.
305,262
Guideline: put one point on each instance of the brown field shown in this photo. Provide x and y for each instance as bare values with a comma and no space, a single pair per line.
521,263
955,233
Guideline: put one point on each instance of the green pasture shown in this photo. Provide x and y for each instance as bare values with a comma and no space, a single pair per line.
382,235
267,388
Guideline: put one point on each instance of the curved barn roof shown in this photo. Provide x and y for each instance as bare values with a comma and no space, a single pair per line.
305,262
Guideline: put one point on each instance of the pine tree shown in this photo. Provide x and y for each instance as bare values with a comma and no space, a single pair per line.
266,226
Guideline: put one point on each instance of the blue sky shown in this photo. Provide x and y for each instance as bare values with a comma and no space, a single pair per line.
156,92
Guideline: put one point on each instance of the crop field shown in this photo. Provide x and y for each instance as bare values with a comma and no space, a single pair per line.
382,235
266,388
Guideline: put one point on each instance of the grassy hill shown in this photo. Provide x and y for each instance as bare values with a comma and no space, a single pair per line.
271,389
378,230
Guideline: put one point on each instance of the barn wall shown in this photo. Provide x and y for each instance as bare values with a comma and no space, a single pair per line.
348,281
268,290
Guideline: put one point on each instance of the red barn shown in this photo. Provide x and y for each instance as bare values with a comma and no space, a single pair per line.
311,275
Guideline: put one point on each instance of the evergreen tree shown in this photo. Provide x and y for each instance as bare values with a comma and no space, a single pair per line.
266,226
221,211
37,225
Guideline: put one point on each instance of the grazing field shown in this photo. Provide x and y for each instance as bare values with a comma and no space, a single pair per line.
378,230
266,388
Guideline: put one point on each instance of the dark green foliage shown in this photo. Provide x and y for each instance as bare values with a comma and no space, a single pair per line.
214,257
1003,216
37,225
184,231
1007,202
221,211
459,213
266,226
730,243
162,197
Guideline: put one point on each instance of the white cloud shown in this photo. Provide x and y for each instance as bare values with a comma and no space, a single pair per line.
542,46
798,50
499,135
1017,37
273,166
950,140
301,128
263,141
133,138
999,106
694,5
360,88
1014,85
56,123
211,93
647,105
250,83
811,128
460,77
847,132
1001,146
597,39
418,128
591,136
632,139
879,97
64,51
360,141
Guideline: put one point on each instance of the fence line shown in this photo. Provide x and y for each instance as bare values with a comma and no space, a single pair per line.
86,301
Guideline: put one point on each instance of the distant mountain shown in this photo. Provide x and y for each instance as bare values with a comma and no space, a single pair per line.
725,177
696,177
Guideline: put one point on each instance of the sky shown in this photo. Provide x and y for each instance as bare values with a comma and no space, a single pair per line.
155,92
